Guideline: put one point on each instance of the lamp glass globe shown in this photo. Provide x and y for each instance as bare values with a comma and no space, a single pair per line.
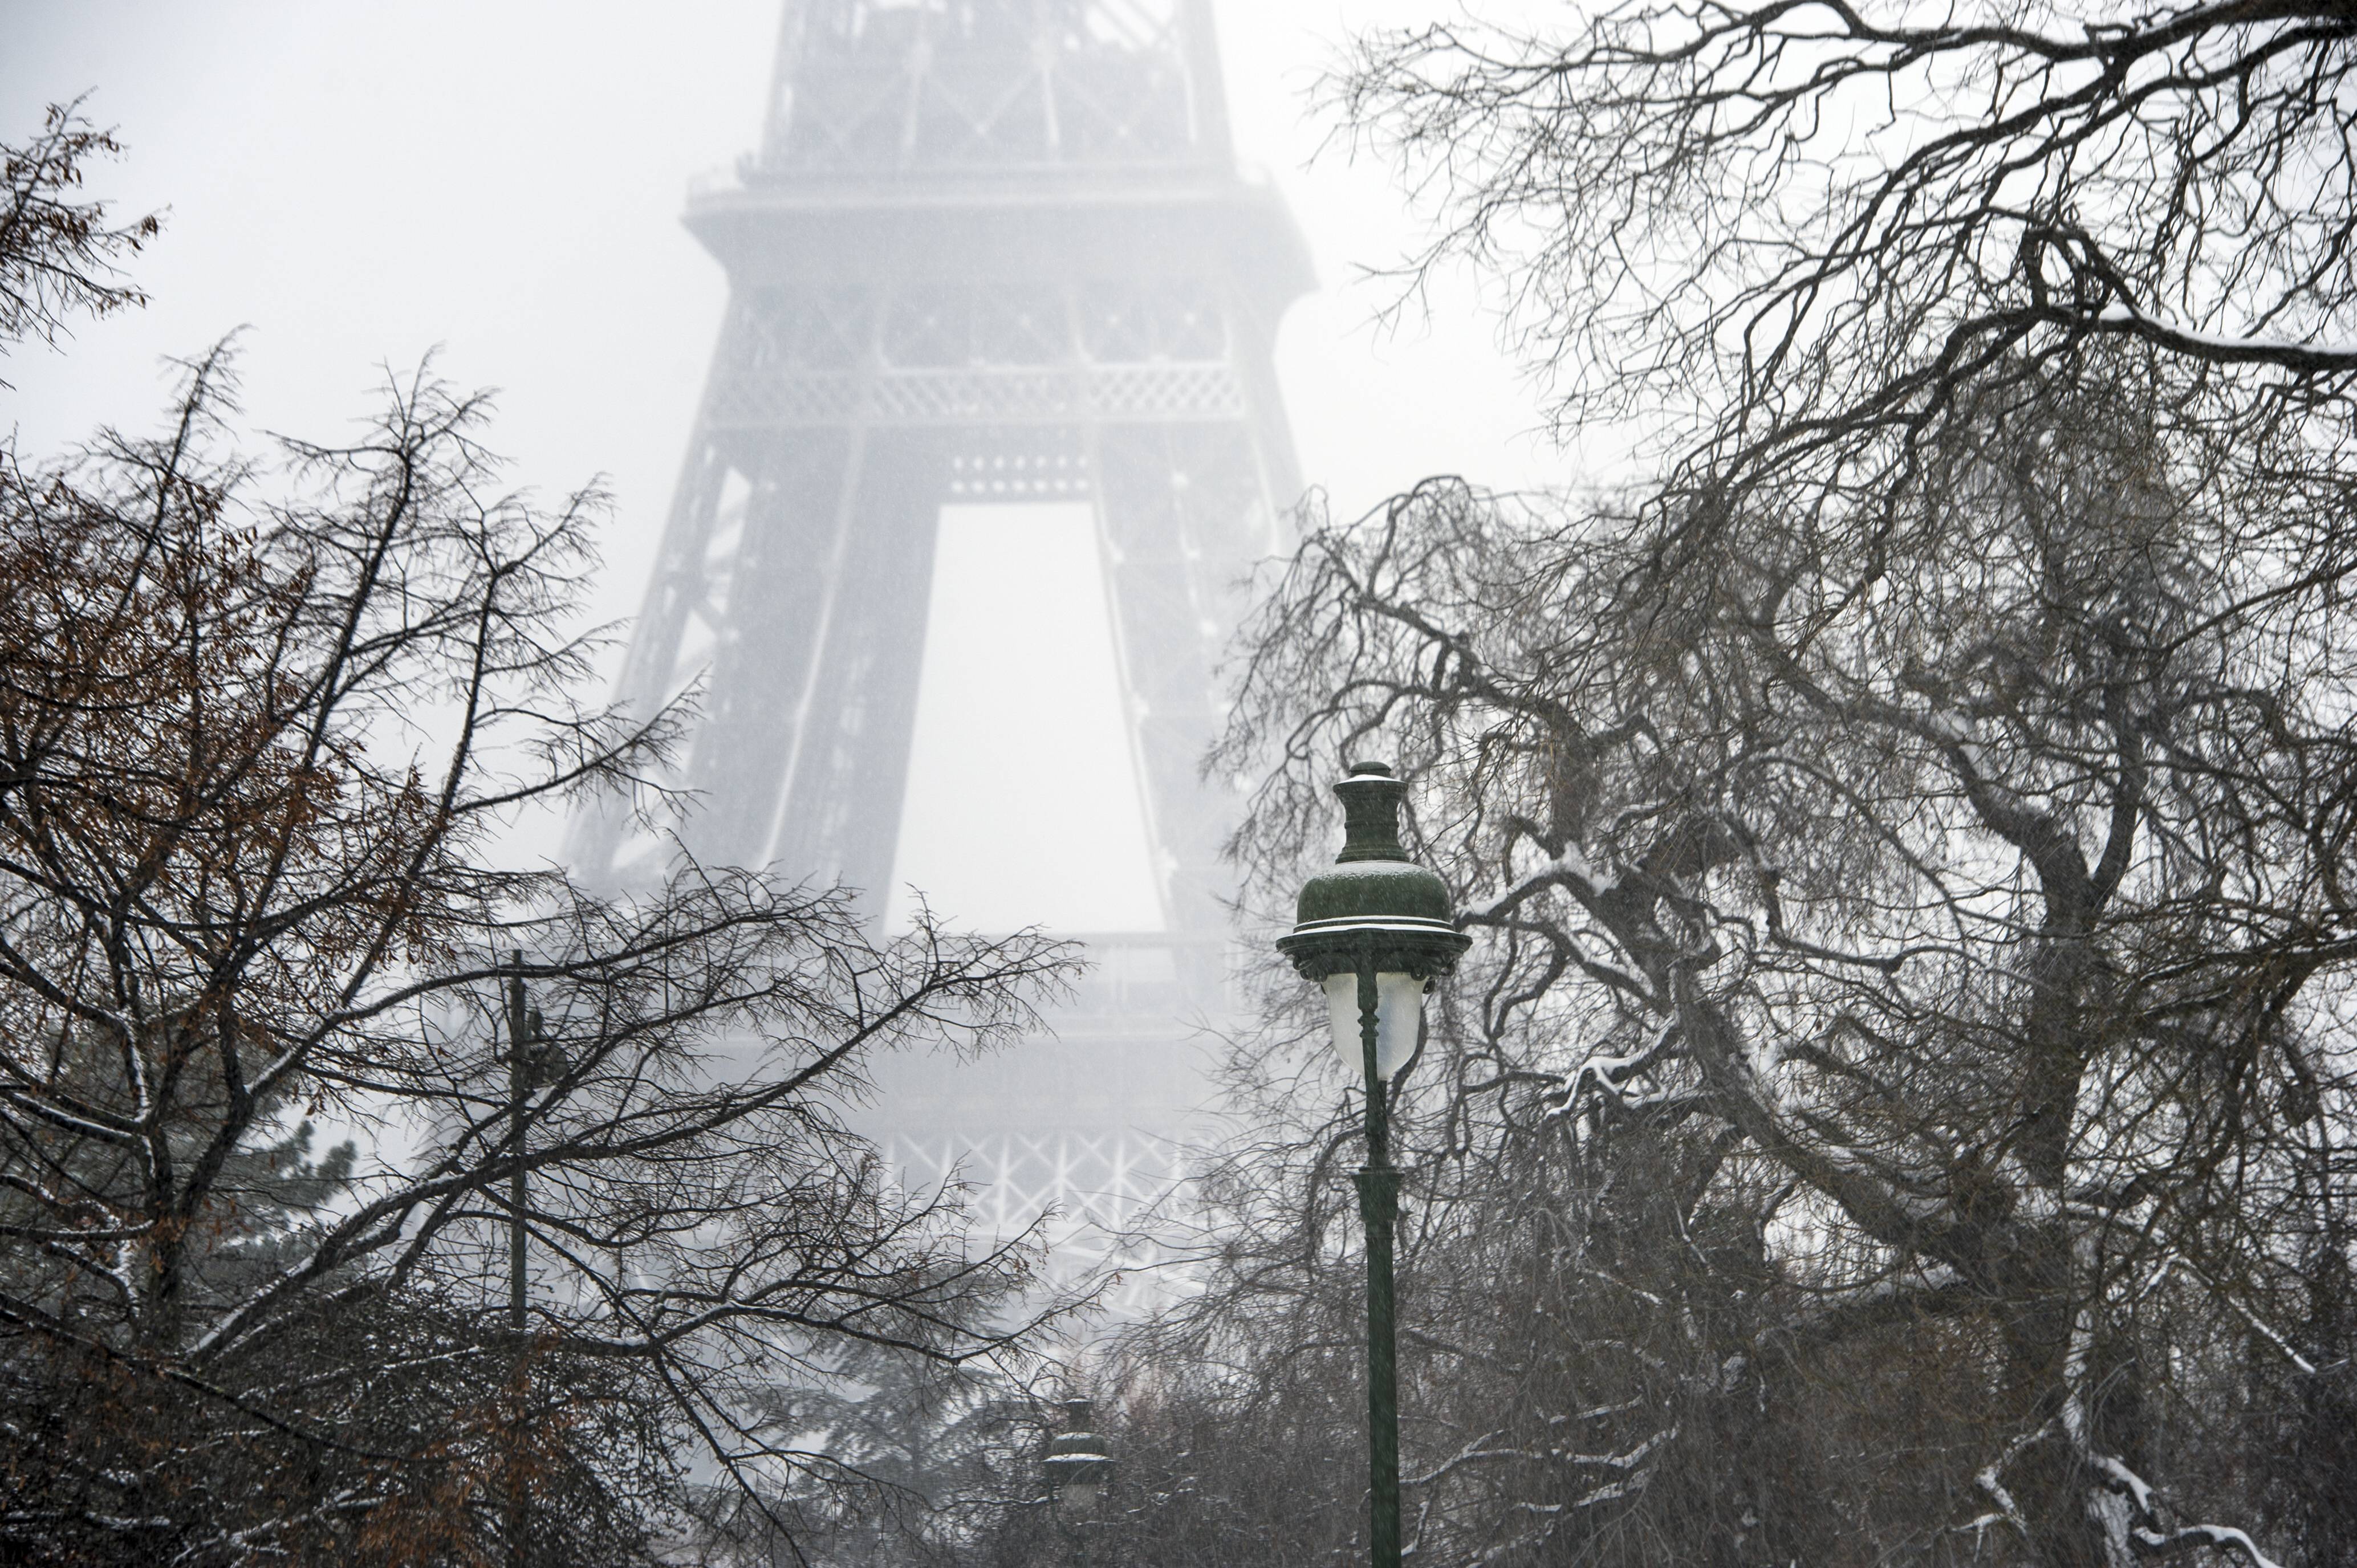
1399,1010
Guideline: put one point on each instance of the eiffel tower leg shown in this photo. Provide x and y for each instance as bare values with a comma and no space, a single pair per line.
1182,506
779,596
839,814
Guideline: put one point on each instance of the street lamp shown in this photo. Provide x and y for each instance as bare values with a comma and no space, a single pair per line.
1374,931
1078,1468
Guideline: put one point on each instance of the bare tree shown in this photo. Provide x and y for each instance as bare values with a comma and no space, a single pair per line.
1796,232
261,729
1962,880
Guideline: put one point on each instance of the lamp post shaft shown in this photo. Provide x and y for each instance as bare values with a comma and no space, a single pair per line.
519,1029
1379,1208
517,1045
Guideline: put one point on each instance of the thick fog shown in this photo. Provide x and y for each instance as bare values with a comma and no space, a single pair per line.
501,186
1850,1060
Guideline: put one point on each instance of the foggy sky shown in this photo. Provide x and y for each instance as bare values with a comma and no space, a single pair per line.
501,183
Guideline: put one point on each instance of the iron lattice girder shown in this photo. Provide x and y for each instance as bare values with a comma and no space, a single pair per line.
938,325
965,397
1095,1198
970,352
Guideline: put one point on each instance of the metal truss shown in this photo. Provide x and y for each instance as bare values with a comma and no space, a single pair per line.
1110,1181
996,352
1107,1206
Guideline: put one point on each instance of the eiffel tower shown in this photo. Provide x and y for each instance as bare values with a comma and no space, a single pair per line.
990,250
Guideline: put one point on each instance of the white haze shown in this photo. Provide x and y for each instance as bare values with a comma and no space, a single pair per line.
501,184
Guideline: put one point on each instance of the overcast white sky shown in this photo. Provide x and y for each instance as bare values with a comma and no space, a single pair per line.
358,184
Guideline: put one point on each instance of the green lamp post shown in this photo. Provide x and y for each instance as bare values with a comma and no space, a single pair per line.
1375,931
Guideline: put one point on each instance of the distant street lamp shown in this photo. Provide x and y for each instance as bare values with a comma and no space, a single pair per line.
1078,1468
1374,931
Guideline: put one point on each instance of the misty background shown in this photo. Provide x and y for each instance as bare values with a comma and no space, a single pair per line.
355,187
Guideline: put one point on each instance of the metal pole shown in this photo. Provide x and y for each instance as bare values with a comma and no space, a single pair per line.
517,1044
1379,1208
517,1029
